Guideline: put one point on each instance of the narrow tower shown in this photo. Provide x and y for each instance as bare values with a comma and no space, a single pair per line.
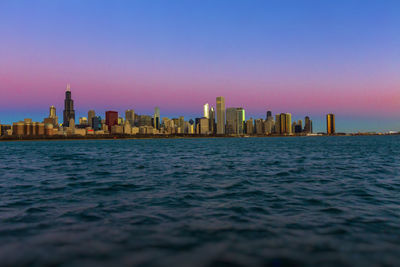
330,124
157,118
69,112
220,115
91,115
206,111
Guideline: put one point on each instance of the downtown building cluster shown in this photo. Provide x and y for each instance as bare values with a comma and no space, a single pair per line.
229,121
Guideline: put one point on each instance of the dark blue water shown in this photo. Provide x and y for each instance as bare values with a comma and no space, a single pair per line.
201,202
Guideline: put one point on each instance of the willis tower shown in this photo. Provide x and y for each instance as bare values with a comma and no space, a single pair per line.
69,112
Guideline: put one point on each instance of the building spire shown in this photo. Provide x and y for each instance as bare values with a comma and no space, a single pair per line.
68,87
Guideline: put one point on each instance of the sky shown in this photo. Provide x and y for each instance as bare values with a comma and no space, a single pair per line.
303,57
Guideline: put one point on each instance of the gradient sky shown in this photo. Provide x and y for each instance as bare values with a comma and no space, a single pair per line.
303,57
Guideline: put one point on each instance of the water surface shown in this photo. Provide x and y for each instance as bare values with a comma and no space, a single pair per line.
201,202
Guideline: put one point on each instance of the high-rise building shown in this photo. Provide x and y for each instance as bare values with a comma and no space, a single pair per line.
307,125
230,121
69,112
83,121
259,126
197,125
283,123
96,123
220,115
288,120
111,119
240,120
144,120
330,124
52,113
269,126
52,119
130,116
211,120
181,122
269,115
250,126
204,126
297,127
235,120
278,124
156,118
91,115
206,111
121,121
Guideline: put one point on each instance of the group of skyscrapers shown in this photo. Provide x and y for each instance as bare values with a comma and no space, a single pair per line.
232,121
222,121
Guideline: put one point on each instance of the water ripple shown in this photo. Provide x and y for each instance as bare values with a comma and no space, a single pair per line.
201,202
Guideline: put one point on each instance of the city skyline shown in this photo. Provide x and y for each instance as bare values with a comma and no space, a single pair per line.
230,121
66,107
300,57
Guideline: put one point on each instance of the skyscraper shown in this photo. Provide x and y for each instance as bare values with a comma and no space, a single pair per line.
52,113
269,125
269,115
211,120
53,116
96,123
283,123
307,125
111,119
91,115
69,112
181,121
240,120
278,124
130,116
204,126
144,120
259,126
288,127
220,115
330,124
250,126
156,118
231,121
206,110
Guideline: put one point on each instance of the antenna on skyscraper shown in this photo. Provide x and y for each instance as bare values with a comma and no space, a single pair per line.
68,87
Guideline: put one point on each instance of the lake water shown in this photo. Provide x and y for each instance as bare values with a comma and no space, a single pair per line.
201,202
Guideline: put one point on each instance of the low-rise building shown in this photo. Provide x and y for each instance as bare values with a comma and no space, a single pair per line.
134,130
81,132
117,129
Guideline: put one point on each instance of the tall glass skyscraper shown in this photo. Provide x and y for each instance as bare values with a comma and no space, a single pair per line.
69,112
156,118
206,111
212,120
220,115
231,119
240,120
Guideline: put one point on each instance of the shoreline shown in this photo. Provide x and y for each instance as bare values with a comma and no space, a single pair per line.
174,136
